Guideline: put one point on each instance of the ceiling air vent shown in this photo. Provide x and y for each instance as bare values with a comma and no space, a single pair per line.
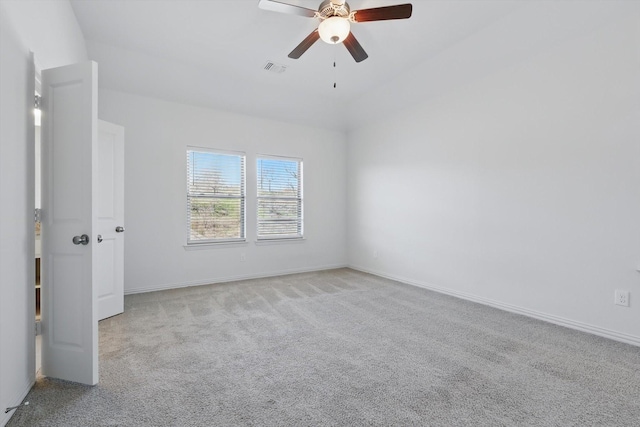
272,67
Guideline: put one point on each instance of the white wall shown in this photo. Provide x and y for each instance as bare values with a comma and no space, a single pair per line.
49,29
156,136
521,189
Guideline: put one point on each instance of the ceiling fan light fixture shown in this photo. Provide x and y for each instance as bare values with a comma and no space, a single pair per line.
334,29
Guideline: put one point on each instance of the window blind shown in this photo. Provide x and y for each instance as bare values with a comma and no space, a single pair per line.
215,196
279,198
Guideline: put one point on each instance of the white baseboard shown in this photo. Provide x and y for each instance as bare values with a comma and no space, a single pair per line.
4,419
557,320
165,286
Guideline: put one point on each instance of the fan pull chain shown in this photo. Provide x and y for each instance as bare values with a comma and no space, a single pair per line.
334,69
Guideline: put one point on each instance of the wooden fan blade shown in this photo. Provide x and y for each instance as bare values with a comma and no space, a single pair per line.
354,48
399,11
292,9
306,44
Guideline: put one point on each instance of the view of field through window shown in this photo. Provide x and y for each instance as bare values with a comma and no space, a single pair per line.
216,196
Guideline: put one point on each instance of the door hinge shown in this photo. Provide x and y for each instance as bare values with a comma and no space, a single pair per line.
37,216
37,101
38,328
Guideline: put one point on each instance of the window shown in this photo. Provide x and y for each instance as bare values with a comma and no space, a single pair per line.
215,196
279,198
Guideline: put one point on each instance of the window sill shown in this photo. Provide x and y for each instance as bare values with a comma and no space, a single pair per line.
213,245
283,241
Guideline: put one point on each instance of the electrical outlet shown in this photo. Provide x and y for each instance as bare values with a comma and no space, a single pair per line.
621,298
243,257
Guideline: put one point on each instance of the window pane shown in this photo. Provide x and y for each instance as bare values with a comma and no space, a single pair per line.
274,209
278,178
214,173
215,218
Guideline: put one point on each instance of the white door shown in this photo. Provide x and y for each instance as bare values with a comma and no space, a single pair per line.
69,181
110,232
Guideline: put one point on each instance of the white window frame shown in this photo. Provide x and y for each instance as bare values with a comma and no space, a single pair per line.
300,198
242,198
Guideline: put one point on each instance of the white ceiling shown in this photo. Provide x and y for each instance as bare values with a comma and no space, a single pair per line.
211,53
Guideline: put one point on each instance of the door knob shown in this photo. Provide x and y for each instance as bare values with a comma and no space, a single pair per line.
119,229
81,240
99,238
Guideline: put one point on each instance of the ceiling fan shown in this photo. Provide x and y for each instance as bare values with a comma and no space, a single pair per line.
335,22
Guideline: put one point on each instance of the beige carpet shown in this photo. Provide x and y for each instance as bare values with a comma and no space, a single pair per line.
339,348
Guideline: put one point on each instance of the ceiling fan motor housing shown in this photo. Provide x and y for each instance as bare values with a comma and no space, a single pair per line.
329,8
